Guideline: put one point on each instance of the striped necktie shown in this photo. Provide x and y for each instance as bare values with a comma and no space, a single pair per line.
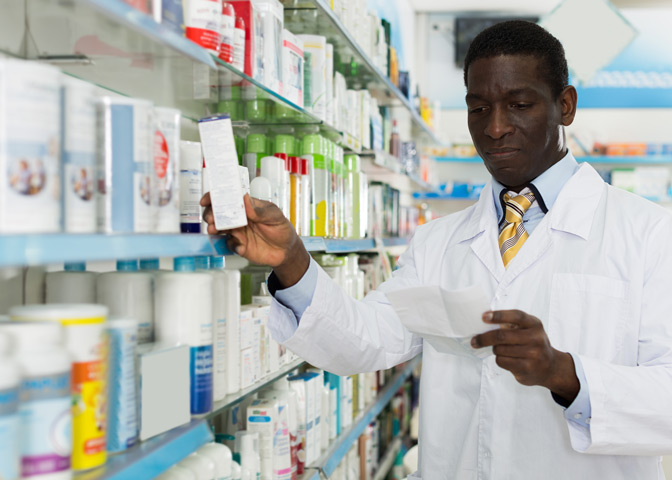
512,233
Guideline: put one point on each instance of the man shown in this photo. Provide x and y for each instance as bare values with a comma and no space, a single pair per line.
580,383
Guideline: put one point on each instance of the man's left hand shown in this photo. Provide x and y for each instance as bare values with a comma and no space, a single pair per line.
523,348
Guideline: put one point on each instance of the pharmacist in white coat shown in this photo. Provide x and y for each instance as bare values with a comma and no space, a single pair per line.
580,383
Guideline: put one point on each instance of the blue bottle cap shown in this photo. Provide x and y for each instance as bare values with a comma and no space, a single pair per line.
149,264
74,267
127,265
184,264
202,263
216,262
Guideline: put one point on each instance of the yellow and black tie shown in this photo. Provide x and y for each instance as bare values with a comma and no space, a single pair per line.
512,233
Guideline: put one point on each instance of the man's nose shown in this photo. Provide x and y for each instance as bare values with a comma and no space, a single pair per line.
498,124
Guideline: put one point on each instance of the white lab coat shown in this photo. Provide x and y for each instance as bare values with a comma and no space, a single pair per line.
597,271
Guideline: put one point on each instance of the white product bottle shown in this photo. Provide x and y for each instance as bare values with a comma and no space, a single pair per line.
221,456
167,170
191,164
201,466
226,335
73,285
286,445
10,421
183,308
261,188
128,293
236,473
272,168
239,45
306,198
177,473
247,446
46,418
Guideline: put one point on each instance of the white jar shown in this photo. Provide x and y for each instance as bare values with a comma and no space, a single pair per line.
10,451
199,465
221,456
86,342
46,416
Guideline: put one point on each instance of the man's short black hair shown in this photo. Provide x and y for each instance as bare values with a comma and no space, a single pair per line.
518,37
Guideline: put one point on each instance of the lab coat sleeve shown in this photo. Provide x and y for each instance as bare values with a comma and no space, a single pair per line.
630,405
345,336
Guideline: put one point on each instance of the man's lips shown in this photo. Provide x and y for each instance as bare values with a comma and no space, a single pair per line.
501,153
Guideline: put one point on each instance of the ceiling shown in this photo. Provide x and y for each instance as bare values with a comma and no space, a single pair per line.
518,6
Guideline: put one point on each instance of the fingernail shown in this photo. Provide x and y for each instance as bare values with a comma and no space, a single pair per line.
474,342
487,317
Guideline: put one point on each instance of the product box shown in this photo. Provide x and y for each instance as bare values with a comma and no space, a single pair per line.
30,153
365,122
262,417
221,160
167,170
126,182
270,355
329,92
254,41
247,337
315,84
170,14
292,68
78,176
271,14
164,399
313,394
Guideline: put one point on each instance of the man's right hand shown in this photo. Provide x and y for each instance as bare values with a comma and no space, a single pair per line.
268,239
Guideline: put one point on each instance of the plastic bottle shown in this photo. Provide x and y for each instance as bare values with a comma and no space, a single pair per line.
272,169
296,195
395,141
239,44
334,191
307,213
313,148
149,264
45,408
221,456
358,189
226,47
10,421
177,473
73,285
247,447
236,473
284,183
342,183
201,466
260,188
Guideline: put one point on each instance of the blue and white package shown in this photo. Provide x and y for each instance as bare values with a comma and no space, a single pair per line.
167,169
183,316
122,429
126,183
169,13
30,152
79,156
10,449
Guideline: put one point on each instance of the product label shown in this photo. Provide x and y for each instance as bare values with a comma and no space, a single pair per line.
45,424
166,146
239,49
227,44
204,23
190,198
219,351
89,409
10,448
144,192
200,365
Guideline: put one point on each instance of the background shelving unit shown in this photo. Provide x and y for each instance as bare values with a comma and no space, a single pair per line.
596,159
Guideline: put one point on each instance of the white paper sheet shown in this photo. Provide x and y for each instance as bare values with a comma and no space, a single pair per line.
447,320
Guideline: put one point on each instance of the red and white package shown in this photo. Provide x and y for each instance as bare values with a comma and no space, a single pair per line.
203,22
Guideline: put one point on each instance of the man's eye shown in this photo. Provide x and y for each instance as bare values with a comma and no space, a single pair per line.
476,109
521,106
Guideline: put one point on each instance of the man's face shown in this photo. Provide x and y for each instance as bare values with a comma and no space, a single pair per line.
514,121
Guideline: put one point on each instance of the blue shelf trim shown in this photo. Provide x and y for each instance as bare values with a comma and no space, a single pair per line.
154,456
145,24
629,160
339,450
41,249
335,245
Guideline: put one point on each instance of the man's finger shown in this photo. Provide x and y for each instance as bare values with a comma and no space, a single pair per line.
512,351
510,319
205,201
500,336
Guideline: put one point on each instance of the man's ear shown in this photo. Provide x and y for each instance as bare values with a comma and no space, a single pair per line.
567,102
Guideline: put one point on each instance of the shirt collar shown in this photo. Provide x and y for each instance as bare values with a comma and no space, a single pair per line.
546,187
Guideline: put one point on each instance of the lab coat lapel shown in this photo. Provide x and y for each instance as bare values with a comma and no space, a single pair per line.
483,233
573,212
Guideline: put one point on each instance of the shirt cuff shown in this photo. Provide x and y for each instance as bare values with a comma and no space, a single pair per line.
298,297
579,410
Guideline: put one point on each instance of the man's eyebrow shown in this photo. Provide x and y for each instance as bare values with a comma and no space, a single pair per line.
473,96
510,93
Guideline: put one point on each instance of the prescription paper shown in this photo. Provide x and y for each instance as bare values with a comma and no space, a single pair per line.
447,320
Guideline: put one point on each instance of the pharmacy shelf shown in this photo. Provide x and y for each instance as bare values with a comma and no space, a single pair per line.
601,159
49,248
42,249
335,245
338,449
387,462
382,166
233,399
154,456
317,17
122,50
